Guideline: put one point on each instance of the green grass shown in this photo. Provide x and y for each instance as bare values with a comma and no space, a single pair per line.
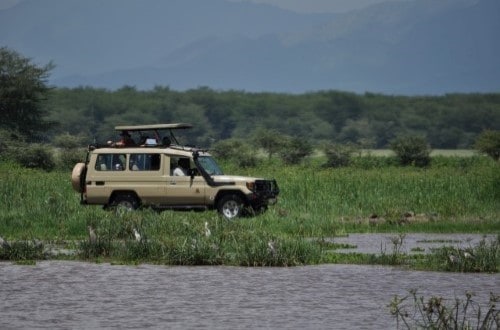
455,194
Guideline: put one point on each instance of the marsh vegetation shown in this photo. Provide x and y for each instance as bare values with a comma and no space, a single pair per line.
40,212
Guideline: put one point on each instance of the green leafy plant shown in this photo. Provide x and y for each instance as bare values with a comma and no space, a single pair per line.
295,150
37,156
338,155
488,142
412,150
237,151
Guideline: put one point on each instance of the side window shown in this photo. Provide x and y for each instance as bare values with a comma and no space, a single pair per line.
144,162
110,162
180,166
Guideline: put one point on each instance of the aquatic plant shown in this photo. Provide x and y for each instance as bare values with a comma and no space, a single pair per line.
22,250
484,257
416,312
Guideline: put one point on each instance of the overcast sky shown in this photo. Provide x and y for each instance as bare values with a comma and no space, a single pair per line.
319,6
7,3
303,6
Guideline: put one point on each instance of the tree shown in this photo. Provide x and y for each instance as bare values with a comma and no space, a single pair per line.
488,142
412,150
269,140
23,88
295,150
338,155
237,151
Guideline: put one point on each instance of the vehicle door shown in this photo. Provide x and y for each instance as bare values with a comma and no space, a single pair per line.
107,173
185,189
146,176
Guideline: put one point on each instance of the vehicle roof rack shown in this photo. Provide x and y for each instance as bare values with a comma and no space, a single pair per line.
154,127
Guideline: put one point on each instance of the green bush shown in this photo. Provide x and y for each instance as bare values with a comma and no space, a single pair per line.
270,141
36,156
10,142
295,150
338,155
67,141
236,151
488,142
67,158
412,150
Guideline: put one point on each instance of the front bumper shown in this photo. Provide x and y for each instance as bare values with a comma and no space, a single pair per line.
266,193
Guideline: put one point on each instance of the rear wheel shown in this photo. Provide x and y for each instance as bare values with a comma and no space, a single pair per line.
124,203
231,206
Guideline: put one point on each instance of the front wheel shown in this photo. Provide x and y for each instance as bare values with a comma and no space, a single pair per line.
231,206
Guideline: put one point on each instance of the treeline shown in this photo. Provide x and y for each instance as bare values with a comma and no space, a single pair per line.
368,120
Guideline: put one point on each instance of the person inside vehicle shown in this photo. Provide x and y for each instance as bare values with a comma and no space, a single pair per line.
182,168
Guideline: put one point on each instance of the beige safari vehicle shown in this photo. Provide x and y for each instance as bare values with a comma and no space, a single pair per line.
158,172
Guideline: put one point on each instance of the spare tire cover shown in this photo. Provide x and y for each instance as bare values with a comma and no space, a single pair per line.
76,177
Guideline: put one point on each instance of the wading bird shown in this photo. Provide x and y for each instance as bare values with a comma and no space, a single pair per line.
453,259
92,235
207,231
4,244
467,255
271,248
137,235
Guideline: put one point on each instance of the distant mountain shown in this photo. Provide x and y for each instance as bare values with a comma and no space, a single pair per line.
412,47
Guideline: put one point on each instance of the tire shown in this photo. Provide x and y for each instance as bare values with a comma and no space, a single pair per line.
231,206
78,177
124,203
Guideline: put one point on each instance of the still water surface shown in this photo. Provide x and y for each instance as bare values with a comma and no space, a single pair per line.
78,295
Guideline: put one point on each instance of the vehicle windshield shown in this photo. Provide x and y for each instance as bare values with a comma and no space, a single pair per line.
209,165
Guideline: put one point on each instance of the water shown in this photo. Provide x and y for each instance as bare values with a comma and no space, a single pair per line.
78,295
378,243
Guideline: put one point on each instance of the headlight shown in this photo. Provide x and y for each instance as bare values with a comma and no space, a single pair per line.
251,186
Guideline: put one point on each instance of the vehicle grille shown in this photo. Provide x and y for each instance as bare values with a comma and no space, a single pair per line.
267,187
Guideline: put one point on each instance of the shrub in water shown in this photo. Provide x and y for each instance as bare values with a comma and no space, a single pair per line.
484,257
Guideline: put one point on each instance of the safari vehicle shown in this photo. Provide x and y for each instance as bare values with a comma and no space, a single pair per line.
130,174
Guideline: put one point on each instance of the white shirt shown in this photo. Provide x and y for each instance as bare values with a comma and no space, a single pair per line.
179,171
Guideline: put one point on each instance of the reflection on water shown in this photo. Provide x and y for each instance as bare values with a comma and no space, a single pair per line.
55,294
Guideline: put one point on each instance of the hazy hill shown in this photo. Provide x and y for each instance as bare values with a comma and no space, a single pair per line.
422,46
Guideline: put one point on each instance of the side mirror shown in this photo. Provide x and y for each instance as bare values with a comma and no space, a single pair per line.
192,173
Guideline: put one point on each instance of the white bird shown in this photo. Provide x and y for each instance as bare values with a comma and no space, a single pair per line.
4,244
467,255
37,243
137,235
453,259
92,235
207,230
271,248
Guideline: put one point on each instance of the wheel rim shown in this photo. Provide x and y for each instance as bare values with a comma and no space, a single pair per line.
231,209
124,206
